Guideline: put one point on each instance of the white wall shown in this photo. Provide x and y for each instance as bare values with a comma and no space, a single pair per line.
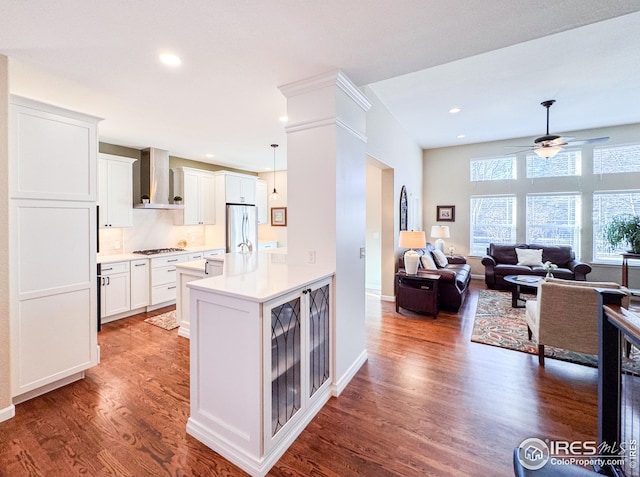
446,182
266,232
373,277
6,408
390,145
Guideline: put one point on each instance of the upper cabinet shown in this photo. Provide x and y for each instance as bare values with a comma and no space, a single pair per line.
262,197
57,152
240,189
115,182
197,189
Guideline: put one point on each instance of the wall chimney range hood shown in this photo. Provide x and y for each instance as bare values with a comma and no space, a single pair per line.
154,179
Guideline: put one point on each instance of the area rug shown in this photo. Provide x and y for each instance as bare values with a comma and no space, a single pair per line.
166,321
498,324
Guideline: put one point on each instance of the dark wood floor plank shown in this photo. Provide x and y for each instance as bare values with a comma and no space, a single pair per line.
428,402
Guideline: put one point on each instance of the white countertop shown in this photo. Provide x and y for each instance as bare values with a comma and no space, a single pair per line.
258,276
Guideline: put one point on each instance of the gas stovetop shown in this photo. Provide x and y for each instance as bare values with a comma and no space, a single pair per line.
156,251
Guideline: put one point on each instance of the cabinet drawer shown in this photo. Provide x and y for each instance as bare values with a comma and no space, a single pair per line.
160,276
217,251
195,256
162,293
170,260
116,267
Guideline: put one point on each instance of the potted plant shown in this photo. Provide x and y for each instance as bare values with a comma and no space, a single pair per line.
145,198
177,200
624,229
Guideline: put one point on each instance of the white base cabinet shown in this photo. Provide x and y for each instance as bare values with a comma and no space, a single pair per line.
115,289
139,283
259,371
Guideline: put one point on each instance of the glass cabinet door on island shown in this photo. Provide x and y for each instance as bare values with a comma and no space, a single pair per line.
300,359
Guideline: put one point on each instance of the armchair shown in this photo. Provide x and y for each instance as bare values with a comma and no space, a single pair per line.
565,315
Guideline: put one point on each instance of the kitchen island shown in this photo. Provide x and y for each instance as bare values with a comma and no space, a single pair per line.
261,356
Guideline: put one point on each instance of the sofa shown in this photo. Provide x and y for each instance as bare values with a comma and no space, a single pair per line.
502,260
454,277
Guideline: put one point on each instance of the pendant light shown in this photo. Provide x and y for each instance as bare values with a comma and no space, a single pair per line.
274,194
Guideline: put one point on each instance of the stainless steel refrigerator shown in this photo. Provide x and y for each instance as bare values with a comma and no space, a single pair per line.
242,228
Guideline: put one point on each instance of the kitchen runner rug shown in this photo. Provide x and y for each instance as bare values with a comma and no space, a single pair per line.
498,324
166,321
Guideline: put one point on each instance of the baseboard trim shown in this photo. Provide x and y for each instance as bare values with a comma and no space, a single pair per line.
391,298
47,388
7,413
340,385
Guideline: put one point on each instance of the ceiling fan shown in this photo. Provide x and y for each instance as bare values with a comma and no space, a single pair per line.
551,144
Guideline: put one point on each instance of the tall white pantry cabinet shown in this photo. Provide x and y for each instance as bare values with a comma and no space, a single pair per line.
53,161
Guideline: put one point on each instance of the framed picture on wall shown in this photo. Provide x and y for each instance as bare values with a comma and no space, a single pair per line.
279,216
446,213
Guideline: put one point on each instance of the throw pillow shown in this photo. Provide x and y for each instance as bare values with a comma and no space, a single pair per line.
427,262
440,258
529,256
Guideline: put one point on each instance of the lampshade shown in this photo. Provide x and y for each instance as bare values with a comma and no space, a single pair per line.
440,231
547,151
413,239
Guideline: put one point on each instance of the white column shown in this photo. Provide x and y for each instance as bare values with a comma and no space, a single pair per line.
326,207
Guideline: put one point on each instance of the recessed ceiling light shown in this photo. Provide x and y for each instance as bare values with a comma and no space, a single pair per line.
170,59
209,156
284,119
460,136
454,110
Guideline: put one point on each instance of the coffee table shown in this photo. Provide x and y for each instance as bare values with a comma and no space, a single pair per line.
530,281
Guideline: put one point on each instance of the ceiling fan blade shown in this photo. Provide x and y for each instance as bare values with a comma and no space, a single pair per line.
581,142
529,146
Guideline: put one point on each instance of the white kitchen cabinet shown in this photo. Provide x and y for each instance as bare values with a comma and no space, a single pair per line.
52,242
163,279
115,183
197,189
215,251
115,292
268,245
139,283
239,188
262,201
275,357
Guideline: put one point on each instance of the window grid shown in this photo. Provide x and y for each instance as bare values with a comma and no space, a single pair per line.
554,219
493,220
563,164
616,159
606,205
493,169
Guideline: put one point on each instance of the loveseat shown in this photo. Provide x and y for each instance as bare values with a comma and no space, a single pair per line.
454,277
502,260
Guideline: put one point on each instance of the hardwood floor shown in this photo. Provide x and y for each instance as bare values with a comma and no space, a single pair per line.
427,403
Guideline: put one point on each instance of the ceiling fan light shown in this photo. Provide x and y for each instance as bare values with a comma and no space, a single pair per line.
547,151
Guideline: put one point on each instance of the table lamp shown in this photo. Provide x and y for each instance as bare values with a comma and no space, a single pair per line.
440,232
412,240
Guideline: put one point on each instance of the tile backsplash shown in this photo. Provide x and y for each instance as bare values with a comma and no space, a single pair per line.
152,228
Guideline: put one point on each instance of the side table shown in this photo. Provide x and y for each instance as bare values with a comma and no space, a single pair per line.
418,292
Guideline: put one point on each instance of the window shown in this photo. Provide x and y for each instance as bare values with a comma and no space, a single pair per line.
495,169
554,219
607,205
565,163
493,220
608,160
